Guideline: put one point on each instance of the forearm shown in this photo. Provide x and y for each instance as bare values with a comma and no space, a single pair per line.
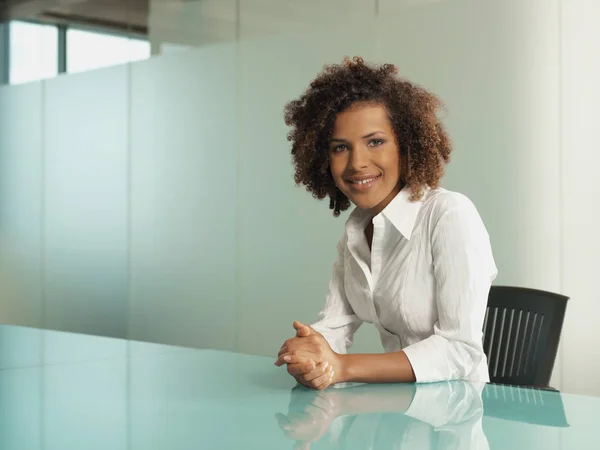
376,368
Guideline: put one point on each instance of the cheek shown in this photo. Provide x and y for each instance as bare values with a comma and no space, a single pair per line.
393,170
390,164
336,167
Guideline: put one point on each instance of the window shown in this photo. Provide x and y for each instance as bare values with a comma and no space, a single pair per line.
88,50
33,52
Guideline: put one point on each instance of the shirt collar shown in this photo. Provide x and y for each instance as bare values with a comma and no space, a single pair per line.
401,212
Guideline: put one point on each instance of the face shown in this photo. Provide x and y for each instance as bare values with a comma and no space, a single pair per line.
364,157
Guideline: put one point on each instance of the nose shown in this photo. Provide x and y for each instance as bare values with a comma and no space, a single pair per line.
359,158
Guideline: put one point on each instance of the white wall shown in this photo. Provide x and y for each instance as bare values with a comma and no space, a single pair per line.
580,193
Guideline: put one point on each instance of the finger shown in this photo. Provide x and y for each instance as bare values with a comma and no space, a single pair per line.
289,357
317,372
298,358
330,382
299,379
311,331
301,329
301,369
324,380
297,325
292,343
280,361
303,332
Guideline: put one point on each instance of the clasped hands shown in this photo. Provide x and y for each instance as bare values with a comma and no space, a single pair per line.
310,359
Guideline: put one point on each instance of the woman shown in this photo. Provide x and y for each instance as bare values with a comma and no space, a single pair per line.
415,259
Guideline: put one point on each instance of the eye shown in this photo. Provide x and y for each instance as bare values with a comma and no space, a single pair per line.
376,142
339,148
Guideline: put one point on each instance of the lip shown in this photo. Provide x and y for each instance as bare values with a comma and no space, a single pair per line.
363,187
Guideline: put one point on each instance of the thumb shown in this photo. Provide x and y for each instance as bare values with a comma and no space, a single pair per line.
301,329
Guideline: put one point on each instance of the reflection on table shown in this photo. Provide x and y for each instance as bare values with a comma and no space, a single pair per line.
67,391
442,415
445,415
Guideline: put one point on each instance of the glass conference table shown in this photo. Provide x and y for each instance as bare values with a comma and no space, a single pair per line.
69,391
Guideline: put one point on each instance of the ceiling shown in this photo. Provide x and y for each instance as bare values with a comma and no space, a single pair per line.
119,15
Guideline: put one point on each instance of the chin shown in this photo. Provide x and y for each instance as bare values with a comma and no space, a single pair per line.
364,203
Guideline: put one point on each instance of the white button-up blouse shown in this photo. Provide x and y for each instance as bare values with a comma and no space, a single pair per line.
424,284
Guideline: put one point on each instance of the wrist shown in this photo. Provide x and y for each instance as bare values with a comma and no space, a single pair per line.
343,369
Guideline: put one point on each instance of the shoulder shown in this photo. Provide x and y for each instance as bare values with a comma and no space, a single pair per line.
442,200
342,244
443,206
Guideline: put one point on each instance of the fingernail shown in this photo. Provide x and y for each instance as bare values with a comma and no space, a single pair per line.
287,358
326,364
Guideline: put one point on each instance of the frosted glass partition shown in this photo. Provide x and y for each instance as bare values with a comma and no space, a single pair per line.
183,198
86,202
21,204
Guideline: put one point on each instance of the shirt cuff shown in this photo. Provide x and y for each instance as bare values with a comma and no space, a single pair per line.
336,343
425,364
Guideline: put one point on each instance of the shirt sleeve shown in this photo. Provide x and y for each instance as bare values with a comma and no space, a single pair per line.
337,321
463,268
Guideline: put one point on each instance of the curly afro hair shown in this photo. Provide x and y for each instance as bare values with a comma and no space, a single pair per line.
423,142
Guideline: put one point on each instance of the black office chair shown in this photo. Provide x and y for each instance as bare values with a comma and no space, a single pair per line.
521,333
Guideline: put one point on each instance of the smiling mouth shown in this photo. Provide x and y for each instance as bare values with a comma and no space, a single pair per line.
364,183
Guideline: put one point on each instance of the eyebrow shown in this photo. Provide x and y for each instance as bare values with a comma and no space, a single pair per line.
364,137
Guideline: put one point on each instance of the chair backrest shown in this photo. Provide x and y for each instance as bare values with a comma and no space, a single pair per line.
521,332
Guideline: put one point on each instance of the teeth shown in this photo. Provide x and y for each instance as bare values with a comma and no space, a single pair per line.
365,181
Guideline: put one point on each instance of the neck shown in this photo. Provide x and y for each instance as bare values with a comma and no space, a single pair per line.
386,201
